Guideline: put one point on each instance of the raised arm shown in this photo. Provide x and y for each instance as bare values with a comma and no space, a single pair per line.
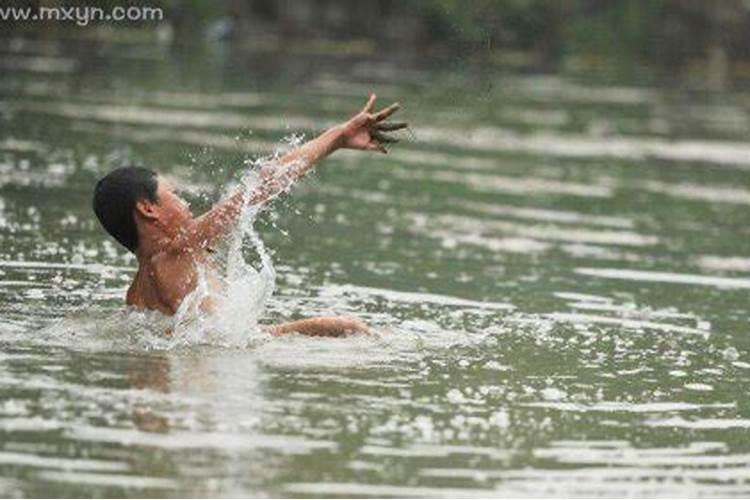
365,131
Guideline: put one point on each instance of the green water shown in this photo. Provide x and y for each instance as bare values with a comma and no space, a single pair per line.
561,271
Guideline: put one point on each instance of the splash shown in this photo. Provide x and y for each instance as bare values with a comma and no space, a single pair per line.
247,284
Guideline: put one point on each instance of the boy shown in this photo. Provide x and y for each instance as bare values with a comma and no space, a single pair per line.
142,212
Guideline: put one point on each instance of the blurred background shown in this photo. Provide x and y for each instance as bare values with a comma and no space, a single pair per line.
693,43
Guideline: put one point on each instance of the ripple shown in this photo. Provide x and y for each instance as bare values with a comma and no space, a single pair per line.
411,297
147,115
126,481
465,224
713,194
355,490
693,455
507,184
433,159
736,154
620,481
443,450
627,407
196,440
93,267
41,462
666,277
701,423
192,137
33,424
506,245
719,263
544,215
583,297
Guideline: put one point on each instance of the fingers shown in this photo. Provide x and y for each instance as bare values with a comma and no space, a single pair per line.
385,139
391,126
376,131
370,104
382,115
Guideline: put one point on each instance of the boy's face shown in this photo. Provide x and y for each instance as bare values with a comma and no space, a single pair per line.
173,210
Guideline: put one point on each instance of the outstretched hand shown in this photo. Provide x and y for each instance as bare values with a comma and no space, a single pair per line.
367,130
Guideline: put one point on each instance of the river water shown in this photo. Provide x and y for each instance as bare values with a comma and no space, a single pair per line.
559,270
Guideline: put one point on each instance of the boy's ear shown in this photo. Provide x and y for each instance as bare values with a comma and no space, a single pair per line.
146,209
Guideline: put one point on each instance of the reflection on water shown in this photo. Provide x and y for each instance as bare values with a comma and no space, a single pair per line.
559,283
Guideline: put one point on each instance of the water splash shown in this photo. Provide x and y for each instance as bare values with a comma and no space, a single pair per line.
247,287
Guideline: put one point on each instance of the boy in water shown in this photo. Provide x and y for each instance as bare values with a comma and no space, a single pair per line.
142,212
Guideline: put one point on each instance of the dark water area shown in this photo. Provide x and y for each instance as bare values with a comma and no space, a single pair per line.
560,271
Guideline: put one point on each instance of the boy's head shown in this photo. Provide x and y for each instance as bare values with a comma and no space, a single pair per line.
132,198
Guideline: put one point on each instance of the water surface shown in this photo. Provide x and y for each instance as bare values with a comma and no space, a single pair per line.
560,270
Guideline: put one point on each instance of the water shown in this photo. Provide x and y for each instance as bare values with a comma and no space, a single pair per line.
559,270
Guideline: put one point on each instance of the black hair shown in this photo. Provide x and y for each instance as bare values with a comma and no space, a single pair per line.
115,197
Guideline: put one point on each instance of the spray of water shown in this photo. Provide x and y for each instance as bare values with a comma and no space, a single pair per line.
247,286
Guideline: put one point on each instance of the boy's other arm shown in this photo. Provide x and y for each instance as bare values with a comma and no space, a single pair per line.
365,131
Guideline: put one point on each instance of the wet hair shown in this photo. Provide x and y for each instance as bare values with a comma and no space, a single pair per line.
115,197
